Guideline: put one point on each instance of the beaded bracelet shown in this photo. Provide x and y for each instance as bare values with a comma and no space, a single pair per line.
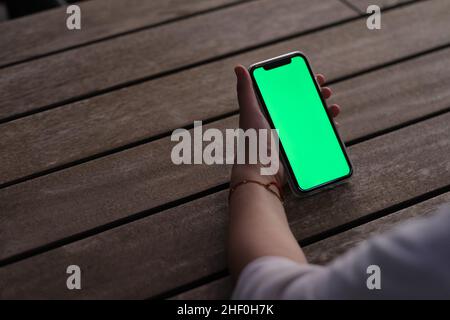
266,186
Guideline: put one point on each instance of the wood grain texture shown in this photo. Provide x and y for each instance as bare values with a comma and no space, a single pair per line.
100,191
63,135
150,52
323,252
46,32
173,248
330,248
363,4
393,95
220,289
148,173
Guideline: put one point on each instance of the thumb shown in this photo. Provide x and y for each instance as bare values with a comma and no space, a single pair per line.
246,95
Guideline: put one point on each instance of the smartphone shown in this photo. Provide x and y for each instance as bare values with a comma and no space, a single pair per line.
310,147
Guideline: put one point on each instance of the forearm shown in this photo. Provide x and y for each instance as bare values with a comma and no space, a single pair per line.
258,224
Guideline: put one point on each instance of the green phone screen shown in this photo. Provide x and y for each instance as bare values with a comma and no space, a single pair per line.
311,146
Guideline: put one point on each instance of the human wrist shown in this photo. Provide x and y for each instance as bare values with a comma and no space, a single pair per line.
242,172
251,174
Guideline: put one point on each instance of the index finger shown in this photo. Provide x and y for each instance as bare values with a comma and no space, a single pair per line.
320,79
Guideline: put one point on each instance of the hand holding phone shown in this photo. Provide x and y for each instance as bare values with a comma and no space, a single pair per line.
311,150
296,76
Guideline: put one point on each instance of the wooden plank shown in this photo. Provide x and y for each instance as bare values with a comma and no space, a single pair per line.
107,64
362,5
57,137
385,98
98,192
173,248
220,289
326,250
46,32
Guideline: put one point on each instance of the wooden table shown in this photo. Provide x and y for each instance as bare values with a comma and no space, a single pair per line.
86,118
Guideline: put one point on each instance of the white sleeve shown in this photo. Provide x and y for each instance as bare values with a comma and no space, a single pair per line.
268,278
413,260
